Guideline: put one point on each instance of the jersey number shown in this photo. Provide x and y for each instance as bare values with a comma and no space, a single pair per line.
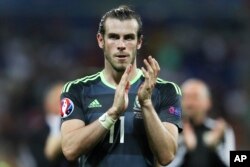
112,131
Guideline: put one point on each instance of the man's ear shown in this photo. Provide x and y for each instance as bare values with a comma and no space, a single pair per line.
100,40
139,43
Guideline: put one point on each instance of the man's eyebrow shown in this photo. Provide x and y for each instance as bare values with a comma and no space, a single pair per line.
130,35
126,36
112,34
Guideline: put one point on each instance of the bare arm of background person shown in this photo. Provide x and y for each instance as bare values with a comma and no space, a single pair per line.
53,147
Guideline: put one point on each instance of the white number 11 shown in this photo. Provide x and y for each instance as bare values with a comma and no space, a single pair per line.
112,130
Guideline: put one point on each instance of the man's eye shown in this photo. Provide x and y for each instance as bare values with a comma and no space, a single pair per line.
129,37
113,37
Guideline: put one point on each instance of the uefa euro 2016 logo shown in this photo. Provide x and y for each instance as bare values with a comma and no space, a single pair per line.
67,107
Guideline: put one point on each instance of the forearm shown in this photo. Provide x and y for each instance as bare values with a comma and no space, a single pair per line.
53,143
161,141
83,139
189,137
53,147
78,139
212,138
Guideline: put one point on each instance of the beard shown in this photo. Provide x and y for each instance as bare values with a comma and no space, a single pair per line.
117,66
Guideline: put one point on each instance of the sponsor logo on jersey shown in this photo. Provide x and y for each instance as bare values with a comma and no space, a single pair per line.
95,104
174,111
67,107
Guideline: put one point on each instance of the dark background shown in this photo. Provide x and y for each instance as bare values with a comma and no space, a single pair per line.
45,41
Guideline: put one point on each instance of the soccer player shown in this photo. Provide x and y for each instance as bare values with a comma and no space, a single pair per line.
205,142
122,116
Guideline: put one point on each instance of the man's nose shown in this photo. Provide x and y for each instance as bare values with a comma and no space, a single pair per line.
121,45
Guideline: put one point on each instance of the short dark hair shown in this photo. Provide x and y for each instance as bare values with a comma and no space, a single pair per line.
123,12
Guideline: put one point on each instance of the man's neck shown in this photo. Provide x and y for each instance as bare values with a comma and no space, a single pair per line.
113,77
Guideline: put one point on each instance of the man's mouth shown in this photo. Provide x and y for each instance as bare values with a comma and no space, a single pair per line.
122,56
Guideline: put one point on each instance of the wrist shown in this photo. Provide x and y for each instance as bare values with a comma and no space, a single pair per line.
113,113
146,103
106,121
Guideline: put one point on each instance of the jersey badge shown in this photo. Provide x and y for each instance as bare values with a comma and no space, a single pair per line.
174,111
67,107
137,109
137,106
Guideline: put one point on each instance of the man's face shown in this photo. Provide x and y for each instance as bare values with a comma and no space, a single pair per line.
195,101
120,42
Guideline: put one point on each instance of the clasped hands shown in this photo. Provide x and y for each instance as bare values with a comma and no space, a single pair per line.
144,94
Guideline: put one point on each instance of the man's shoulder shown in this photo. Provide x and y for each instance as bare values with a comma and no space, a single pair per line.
167,86
79,83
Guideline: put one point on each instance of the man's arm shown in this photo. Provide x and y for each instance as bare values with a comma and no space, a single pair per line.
189,136
213,137
78,138
53,147
223,149
162,136
222,139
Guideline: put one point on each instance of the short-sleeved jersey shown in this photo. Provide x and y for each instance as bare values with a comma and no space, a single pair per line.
126,143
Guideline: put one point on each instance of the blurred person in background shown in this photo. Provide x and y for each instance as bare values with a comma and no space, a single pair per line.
53,150
7,155
52,103
205,142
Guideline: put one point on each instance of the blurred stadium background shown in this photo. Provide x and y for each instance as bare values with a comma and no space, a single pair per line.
44,41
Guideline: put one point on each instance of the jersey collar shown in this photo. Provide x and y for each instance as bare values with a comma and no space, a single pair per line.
138,75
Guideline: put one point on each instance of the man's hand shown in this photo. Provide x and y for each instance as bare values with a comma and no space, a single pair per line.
213,137
120,103
150,74
189,135
162,136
